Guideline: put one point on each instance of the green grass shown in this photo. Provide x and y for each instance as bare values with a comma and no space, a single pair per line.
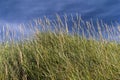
59,56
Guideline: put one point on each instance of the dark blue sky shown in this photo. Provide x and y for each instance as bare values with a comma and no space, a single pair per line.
22,10
16,11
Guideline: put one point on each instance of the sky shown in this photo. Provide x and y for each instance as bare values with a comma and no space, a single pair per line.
14,12
22,10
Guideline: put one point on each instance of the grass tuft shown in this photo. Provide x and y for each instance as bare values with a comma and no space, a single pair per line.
58,54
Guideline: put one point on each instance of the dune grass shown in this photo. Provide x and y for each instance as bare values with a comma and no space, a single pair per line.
60,55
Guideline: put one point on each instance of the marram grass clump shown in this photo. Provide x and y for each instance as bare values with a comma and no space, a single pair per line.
59,55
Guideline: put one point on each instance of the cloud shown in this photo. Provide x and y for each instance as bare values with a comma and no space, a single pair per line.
15,12
18,10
